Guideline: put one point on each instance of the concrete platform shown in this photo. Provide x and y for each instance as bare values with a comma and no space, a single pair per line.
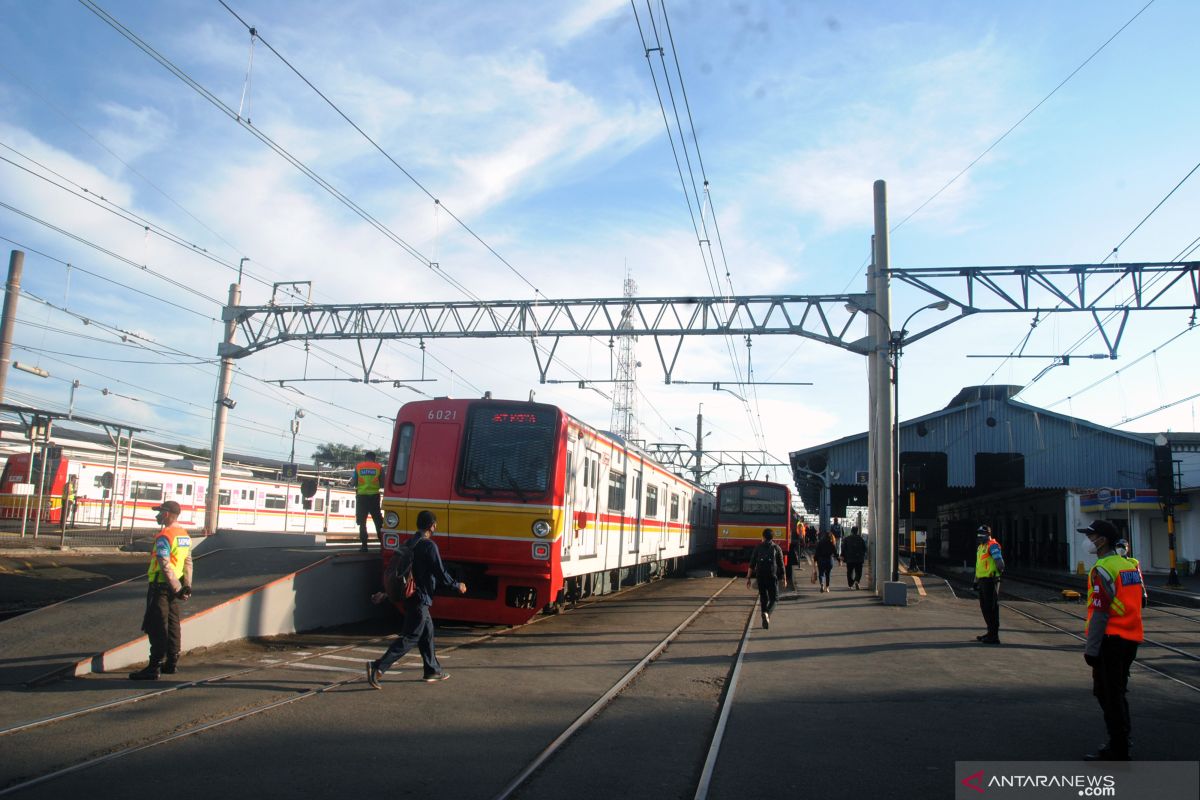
240,591
851,698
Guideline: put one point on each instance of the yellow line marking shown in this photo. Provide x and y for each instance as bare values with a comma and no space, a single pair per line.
920,586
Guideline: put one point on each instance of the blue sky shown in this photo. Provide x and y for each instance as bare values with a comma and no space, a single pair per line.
537,123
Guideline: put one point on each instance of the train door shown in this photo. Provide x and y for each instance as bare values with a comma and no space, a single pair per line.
635,530
664,496
247,505
570,492
587,505
434,448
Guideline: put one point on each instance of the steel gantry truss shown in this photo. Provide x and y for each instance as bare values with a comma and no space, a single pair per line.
1112,289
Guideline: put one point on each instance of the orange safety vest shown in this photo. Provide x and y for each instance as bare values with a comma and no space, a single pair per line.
181,545
985,567
1124,606
368,473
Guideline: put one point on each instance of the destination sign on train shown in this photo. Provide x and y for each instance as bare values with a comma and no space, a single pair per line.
506,418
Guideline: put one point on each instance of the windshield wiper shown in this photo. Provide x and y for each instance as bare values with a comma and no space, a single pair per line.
512,482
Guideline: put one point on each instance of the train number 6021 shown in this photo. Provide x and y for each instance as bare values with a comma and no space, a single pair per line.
442,415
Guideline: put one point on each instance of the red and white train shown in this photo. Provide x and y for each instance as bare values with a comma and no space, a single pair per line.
745,508
536,508
111,498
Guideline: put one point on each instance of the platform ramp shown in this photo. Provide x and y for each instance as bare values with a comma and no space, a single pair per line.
240,592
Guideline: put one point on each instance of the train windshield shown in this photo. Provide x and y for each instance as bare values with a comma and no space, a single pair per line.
509,449
754,501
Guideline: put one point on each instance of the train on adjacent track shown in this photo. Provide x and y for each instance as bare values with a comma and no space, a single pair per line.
535,508
122,498
745,508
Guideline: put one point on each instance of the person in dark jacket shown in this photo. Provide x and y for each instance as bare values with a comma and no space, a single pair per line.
766,564
793,559
826,554
854,553
427,571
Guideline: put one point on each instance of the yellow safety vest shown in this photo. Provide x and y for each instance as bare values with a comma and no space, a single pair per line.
181,545
985,567
368,477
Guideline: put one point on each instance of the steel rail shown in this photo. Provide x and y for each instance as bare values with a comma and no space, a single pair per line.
595,708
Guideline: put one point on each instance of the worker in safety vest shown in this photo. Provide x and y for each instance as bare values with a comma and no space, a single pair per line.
1114,629
367,474
989,564
170,579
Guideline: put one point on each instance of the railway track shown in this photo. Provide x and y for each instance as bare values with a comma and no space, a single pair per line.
238,694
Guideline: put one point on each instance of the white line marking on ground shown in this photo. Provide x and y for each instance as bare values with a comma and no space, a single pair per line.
322,667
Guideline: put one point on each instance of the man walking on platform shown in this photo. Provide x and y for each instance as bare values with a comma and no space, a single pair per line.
170,579
854,553
1113,629
427,572
365,481
989,565
766,564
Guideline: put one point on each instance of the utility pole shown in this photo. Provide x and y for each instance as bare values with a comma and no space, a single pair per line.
12,291
212,506
697,472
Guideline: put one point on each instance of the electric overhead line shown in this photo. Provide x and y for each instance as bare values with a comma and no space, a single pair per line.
700,228
1011,128
254,33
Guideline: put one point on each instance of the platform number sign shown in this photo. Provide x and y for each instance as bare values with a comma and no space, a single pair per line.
861,477
290,471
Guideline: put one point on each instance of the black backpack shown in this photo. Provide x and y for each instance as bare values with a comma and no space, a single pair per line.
764,566
398,581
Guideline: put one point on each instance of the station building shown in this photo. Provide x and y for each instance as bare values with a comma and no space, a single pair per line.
1034,475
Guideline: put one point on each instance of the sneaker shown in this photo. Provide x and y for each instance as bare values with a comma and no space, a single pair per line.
436,676
363,549
856,585
374,674
990,640
147,674
766,619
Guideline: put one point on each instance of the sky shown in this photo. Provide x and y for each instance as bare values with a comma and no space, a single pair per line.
135,196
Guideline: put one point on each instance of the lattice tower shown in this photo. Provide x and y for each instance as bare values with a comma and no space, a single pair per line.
624,410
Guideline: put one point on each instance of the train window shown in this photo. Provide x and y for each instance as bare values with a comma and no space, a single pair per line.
508,448
674,507
587,472
274,501
333,506
731,499
251,494
318,504
296,499
402,452
179,488
616,491
188,490
243,494
651,501
223,497
145,490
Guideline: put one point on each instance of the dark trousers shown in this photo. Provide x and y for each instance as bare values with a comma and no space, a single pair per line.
824,567
791,570
417,630
768,593
1110,679
853,572
989,604
367,504
160,623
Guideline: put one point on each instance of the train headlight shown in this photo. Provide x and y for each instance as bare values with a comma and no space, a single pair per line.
541,529
391,519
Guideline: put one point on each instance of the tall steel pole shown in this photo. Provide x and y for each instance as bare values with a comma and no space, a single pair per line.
12,291
885,414
699,442
212,507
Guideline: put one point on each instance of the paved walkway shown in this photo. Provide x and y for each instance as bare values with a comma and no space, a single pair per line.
847,697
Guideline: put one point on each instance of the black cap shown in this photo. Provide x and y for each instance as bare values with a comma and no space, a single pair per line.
1102,528
170,506
983,530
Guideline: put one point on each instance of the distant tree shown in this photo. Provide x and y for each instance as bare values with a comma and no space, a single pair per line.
338,456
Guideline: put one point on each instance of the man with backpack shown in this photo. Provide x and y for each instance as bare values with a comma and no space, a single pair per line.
411,578
766,564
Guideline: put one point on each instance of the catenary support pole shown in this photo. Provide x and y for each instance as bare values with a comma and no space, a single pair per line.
12,291
212,506
881,381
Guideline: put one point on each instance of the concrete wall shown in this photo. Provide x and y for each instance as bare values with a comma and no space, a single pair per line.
325,594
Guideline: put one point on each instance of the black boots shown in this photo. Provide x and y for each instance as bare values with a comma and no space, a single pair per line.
150,673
